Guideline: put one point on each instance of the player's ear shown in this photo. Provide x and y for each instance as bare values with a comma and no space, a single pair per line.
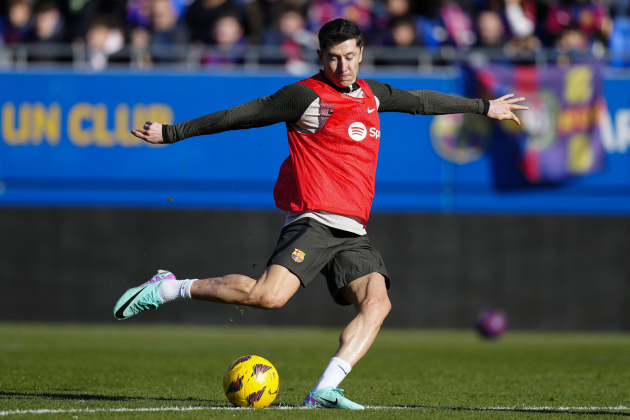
320,55
361,54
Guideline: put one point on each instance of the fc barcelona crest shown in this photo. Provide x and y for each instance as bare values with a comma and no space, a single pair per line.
298,255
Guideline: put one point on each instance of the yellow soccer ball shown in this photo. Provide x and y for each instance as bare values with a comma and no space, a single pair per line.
251,381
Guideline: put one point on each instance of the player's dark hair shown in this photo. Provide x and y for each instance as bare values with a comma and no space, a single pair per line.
338,31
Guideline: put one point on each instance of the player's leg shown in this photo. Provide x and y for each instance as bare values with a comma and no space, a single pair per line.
368,294
295,261
272,290
369,297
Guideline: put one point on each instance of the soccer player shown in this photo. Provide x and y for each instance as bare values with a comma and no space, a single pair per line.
326,185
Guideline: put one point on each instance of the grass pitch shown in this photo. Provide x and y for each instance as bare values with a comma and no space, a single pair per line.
79,369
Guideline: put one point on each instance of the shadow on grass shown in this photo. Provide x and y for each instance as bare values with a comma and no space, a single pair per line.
96,397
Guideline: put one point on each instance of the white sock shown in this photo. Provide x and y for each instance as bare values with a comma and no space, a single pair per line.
175,289
335,372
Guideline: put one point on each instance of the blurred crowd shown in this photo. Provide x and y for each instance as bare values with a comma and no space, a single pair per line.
229,26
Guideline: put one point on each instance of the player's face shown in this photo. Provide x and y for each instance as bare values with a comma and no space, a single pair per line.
341,62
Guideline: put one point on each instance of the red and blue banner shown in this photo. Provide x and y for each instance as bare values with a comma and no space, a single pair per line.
560,135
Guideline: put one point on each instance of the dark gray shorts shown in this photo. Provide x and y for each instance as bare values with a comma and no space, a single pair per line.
307,247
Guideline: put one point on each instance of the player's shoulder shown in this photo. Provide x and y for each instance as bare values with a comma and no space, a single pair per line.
295,97
372,82
379,89
296,90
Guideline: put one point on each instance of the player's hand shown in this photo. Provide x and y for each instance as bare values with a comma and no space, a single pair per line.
152,132
501,109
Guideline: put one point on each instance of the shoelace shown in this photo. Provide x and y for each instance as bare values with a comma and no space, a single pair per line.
339,391
146,302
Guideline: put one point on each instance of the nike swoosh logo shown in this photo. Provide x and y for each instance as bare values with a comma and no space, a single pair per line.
343,370
330,402
120,312
371,110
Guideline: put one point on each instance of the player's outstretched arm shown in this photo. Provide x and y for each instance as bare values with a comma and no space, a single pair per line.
429,102
151,132
501,109
286,105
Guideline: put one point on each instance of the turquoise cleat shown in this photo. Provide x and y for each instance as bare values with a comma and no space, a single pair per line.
330,397
143,297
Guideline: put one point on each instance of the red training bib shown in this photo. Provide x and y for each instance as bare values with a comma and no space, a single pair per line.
333,169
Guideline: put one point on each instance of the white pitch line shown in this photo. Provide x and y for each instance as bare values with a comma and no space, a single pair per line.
113,410
516,408
117,410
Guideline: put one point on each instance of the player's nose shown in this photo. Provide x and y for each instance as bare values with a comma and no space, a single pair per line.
342,66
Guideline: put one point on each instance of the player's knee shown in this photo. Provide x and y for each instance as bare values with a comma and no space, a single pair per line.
377,307
385,306
269,302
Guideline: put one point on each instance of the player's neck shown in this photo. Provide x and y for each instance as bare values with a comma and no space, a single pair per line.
346,89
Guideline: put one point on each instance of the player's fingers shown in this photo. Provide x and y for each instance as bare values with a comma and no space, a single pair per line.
514,100
518,107
515,118
504,97
144,137
139,133
147,140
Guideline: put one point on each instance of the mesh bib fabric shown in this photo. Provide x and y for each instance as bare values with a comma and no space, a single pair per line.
333,169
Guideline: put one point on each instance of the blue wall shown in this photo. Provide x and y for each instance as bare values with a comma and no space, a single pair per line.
65,142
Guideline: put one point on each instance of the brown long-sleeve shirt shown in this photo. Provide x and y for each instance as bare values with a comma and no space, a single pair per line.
294,102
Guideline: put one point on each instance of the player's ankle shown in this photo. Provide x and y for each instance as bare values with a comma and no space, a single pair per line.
171,290
335,372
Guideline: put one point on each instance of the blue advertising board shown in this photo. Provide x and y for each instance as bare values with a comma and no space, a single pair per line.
64,141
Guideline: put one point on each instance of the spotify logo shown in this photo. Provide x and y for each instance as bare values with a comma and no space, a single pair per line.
357,131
